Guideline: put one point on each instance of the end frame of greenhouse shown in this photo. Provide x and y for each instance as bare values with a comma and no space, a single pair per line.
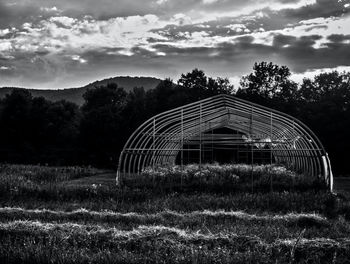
167,138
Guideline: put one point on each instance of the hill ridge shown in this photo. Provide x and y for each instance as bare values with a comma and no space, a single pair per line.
75,95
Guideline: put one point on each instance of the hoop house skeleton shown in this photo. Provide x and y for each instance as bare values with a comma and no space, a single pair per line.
192,129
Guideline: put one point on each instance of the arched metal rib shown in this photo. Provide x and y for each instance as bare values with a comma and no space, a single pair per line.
159,140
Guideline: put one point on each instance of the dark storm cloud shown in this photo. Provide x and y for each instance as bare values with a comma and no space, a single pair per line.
171,50
224,27
236,55
310,28
231,6
31,69
322,8
305,42
281,40
265,19
14,12
201,5
272,20
338,38
331,55
300,53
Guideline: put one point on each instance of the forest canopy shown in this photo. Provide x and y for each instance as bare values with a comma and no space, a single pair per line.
35,130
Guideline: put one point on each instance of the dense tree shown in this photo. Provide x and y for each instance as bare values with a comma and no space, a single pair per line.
324,106
200,86
102,124
64,119
196,79
37,130
322,103
219,86
15,125
267,83
161,98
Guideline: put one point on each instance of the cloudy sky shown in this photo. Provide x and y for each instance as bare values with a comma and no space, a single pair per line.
69,43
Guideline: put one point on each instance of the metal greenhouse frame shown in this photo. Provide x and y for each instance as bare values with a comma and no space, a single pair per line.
161,139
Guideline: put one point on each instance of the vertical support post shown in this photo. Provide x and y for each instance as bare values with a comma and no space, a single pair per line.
200,138
153,142
182,143
294,166
271,120
212,146
153,149
188,154
293,129
182,139
252,148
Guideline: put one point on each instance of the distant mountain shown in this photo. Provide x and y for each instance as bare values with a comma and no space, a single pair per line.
75,95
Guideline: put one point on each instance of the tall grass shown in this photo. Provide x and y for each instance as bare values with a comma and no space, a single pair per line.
44,174
29,180
225,178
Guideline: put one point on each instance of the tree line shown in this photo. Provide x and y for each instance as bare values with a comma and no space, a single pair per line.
35,130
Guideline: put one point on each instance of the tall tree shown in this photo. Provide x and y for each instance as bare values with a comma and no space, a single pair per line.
219,86
16,125
268,81
196,79
102,124
36,130
201,86
325,107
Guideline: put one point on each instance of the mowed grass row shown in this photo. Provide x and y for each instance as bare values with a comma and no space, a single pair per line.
128,200
270,227
106,216
36,242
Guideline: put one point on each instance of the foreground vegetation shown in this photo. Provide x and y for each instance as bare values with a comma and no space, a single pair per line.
78,215
226,178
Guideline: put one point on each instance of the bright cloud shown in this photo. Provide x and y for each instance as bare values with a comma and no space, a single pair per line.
298,77
208,2
50,43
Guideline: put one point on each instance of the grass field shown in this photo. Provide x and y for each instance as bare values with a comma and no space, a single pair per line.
79,215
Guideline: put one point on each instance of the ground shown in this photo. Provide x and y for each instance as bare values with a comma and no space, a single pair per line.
342,185
74,215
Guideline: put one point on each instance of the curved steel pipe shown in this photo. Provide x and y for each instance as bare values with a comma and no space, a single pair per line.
159,140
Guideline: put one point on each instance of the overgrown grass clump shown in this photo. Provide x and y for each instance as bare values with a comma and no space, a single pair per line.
44,174
225,178
34,180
